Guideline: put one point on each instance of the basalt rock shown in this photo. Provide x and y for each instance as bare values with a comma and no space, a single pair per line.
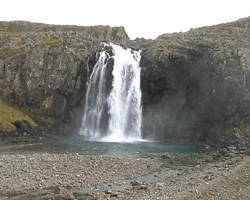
195,80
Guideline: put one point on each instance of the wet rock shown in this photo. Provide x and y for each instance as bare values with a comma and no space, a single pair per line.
141,187
165,156
246,152
232,148
136,183
21,125
114,194
108,192
66,194
111,193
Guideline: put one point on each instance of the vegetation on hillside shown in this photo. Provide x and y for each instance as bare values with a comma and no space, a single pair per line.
54,42
9,115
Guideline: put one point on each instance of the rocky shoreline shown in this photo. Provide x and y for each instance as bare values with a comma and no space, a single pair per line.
74,176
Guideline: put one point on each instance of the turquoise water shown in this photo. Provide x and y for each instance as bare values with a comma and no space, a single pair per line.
128,150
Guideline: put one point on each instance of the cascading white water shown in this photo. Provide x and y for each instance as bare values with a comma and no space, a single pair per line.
114,114
95,98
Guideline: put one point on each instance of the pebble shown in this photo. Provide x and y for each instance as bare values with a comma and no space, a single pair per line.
44,170
64,170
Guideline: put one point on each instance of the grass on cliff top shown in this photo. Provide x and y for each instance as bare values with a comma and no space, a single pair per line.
54,42
9,114
4,53
10,33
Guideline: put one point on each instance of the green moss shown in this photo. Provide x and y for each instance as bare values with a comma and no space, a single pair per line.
10,114
10,33
20,53
39,119
245,131
5,53
54,42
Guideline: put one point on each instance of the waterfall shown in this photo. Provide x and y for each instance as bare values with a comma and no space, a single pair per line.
113,99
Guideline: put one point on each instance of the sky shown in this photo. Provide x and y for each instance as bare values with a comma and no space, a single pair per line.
141,18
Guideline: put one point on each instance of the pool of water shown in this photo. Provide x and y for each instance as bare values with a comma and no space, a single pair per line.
127,150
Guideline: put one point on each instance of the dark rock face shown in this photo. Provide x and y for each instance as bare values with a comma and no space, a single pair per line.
163,90
195,80
189,81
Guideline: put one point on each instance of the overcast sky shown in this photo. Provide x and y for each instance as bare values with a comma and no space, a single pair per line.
141,18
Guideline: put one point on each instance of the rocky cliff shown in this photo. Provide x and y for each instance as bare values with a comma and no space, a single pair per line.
43,68
196,80
190,80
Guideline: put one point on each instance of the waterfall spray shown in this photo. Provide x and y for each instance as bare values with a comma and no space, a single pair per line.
114,114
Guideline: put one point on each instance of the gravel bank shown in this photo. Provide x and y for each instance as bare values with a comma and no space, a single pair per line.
167,177
226,180
20,172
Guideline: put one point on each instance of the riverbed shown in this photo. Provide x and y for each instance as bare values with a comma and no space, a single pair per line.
29,172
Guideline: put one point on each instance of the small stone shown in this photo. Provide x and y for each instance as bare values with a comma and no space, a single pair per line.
171,162
135,183
64,193
108,192
160,184
165,156
114,194
143,187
